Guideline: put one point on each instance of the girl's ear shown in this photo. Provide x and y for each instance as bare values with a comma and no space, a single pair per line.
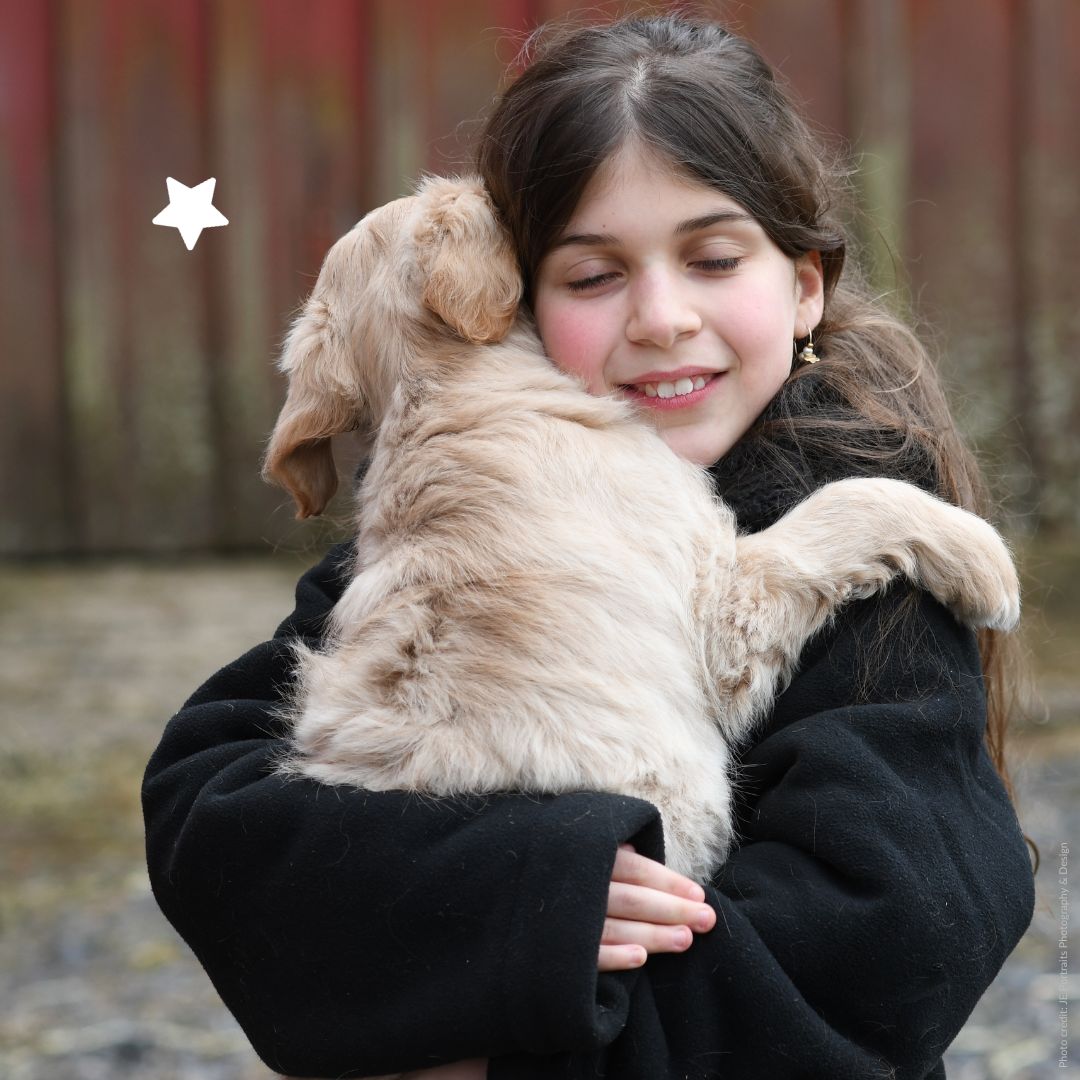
472,278
809,292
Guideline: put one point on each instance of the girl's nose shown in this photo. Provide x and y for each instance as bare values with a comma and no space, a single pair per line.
661,312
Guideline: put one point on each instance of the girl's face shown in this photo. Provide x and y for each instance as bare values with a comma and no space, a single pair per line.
661,280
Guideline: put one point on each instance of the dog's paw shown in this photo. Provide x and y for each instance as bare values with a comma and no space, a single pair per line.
983,588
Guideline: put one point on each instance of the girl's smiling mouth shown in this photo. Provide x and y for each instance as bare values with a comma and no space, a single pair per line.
677,394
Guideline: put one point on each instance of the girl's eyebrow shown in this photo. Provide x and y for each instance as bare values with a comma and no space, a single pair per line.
691,225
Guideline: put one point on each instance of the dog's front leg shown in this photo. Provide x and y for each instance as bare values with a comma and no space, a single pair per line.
848,540
755,616
852,537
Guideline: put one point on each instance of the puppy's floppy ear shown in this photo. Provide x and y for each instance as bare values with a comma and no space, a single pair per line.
323,400
472,277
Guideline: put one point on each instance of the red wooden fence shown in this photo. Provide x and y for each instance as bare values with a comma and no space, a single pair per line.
137,381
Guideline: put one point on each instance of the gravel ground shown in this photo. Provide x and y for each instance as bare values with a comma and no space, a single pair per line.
95,983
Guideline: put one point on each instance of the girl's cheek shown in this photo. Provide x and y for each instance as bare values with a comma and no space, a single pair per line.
574,342
760,316
759,329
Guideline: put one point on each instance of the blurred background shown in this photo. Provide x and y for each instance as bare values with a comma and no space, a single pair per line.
139,551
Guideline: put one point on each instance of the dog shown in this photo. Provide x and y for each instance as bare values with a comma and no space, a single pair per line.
546,597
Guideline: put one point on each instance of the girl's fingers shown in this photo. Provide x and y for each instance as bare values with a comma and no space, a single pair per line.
621,957
651,909
637,869
641,904
473,1069
650,936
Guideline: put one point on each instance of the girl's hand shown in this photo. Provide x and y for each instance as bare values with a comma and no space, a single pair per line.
651,909
473,1069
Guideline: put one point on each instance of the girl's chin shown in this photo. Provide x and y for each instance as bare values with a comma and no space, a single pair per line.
698,447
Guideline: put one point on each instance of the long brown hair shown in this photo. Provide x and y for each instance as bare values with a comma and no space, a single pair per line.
704,99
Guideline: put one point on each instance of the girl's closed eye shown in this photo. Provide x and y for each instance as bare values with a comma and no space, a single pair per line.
710,265
591,282
729,262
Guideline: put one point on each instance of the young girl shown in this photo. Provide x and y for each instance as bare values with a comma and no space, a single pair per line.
676,227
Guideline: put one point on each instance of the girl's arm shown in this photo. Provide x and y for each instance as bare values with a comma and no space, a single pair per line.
356,932
881,882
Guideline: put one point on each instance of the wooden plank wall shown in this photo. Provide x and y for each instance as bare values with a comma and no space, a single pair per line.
136,378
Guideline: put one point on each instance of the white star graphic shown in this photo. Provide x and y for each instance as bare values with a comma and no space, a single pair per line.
190,209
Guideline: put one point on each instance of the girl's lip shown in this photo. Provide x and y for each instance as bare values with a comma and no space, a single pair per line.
679,401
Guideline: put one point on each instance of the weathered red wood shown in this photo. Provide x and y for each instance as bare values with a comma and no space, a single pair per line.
34,461
313,180
1051,166
289,133
960,157
804,42
90,164
138,377
157,85
878,129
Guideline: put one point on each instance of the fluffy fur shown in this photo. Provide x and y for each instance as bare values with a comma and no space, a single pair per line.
546,597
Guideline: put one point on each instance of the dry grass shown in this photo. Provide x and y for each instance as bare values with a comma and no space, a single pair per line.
93,661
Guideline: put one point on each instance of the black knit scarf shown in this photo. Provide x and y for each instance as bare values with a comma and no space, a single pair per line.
770,469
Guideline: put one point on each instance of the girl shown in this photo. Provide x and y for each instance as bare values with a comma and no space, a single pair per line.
675,223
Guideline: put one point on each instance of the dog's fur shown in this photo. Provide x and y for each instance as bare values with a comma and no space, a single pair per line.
546,597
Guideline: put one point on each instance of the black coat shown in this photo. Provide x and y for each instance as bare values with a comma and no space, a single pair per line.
881,881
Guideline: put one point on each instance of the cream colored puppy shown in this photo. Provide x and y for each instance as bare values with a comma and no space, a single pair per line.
547,598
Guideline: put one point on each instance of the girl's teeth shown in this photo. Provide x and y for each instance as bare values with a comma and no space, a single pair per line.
675,389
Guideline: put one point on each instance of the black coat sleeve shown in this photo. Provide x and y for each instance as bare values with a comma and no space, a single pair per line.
881,881
356,933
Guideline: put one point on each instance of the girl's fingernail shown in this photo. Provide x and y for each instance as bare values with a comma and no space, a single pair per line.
704,919
681,938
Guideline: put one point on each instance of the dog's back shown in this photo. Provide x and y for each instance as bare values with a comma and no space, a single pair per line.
521,615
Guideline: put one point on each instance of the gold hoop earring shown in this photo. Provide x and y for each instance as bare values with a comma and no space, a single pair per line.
808,356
